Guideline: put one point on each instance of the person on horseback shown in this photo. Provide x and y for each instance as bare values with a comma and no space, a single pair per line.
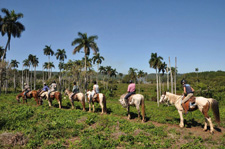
53,87
75,89
26,89
130,91
44,89
189,91
94,91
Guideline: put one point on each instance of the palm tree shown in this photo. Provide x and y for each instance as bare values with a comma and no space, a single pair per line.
133,74
11,26
154,63
86,43
45,66
140,75
61,56
35,64
31,59
48,52
97,59
1,53
103,71
51,65
26,63
162,67
196,69
14,64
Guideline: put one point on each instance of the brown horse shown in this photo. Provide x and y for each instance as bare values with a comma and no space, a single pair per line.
77,97
54,95
30,94
99,99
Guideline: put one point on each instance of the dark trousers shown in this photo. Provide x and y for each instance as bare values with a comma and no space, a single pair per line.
128,95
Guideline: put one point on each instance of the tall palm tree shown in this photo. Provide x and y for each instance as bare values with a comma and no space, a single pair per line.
97,59
45,66
31,59
1,53
162,67
35,64
154,62
14,64
51,65
140,75
61,56
48,52
10,25
103,71
86,43
26,63
133,74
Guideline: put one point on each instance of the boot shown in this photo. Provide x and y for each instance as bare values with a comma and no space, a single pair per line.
185,110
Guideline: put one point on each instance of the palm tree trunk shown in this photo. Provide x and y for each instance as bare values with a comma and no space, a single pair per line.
171,77
157,87
85,79
34,78
175,77
167,74
22,78
14,81
49,67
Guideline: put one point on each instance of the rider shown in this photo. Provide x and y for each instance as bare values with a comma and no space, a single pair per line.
131,90
52,88
75,89
187,90
44,89
26,89
94,91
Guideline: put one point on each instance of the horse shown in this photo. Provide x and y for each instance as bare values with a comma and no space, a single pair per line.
134,100
77,97
30,94
99,99
202,103
53,95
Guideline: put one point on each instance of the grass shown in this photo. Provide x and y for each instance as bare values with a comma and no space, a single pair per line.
51,127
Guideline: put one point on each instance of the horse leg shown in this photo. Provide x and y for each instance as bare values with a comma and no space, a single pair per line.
205,126
59,102
138,108
72,103
181,119
89,107
49,102
101,107
83,104
207,118
93,106
128,111
211,125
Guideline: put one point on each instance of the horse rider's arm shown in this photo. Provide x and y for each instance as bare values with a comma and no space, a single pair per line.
192,89
184,90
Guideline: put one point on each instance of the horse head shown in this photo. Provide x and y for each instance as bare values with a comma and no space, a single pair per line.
163,98
122,102
66,92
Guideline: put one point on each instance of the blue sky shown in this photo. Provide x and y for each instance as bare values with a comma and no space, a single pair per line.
128,30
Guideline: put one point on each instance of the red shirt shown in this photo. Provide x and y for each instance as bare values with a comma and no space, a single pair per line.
131,87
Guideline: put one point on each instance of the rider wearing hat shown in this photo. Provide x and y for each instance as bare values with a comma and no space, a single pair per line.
94,91
75,89
131,90
187,90
26,88
53,87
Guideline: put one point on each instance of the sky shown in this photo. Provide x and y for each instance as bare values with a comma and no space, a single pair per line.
128,31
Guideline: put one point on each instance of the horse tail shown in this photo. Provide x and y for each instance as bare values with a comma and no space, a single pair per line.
215,108
143,108
104,103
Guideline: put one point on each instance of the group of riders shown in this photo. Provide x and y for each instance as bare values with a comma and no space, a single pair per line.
46,91
188,91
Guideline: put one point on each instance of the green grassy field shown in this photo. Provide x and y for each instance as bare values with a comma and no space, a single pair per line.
32,126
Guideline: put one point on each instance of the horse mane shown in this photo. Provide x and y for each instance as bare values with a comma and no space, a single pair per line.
172,97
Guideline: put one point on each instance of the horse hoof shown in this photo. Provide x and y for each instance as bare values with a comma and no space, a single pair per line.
204,129
212,132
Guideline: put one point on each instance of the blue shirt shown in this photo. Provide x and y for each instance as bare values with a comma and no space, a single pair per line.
45,88
188,89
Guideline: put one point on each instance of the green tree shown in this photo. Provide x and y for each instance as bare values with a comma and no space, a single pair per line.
155,62
35,64
97,59
10,25
140,75
86,43
61,56
14,64
48,52
133,74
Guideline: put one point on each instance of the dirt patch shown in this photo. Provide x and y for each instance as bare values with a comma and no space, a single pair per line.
13,139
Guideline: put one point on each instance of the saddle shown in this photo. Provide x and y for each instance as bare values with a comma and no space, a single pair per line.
129,100
186,105
28,94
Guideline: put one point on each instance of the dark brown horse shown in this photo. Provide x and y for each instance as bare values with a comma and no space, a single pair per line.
54,95
29,95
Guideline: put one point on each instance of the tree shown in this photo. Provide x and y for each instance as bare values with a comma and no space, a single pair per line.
11,26
103,71
97,59
48,52
31,59
154,62
140,75
35,64
196,69
26,63
86,43
133,74
61,56
14,64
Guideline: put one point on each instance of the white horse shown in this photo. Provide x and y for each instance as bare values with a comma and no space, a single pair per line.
201,103
100,98
77,97
135,100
